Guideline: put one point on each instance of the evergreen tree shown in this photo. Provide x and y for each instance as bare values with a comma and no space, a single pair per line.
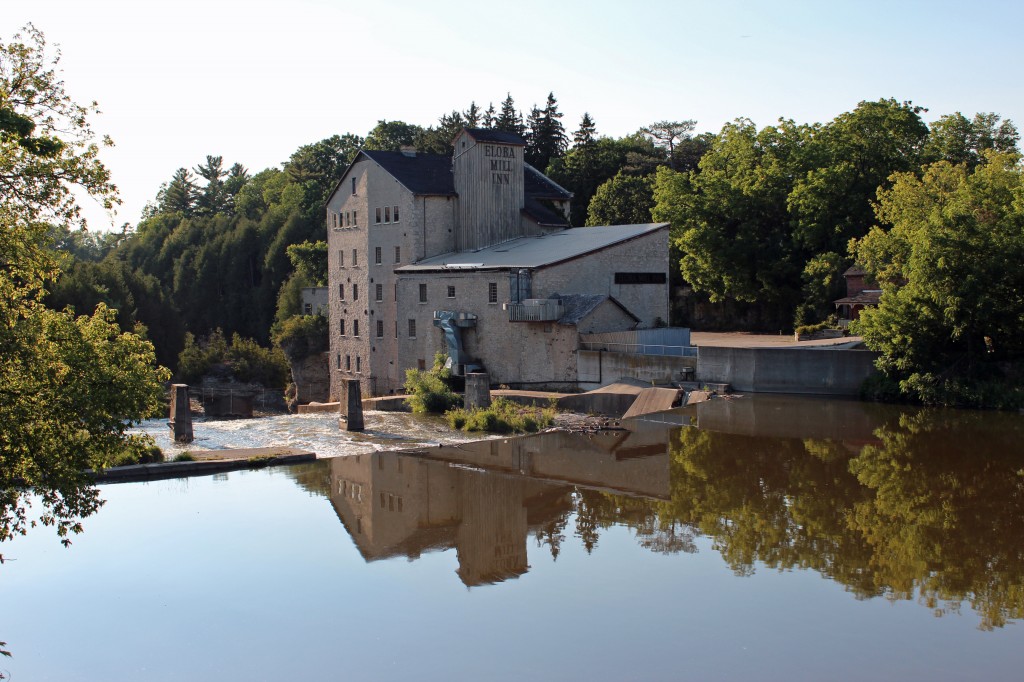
472,115
180,194
547,134
213,198
586,134
489,117
510,120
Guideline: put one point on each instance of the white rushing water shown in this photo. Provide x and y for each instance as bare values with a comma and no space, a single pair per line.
318,433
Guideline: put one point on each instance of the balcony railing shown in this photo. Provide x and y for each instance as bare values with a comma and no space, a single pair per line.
535,310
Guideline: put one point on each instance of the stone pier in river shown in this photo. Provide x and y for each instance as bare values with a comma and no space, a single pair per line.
181,414
354,407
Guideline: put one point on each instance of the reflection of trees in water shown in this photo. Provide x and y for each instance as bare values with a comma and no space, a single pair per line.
934,510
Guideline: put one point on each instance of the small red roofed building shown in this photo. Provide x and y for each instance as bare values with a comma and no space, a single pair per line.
861,293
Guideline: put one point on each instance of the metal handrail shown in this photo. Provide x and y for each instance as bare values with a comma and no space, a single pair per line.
641,348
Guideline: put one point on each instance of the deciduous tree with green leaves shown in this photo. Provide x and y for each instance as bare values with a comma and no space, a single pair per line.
70,387
947,254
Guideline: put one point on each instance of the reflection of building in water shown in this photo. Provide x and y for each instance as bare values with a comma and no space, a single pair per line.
402,505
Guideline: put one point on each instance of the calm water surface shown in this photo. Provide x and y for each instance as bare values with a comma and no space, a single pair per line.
769,538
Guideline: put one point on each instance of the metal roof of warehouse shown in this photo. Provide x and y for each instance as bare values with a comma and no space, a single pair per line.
534,252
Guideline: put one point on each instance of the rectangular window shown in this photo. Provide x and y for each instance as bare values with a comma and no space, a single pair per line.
355,221
377,255
451,292
341,258
358,364
341,291
492,292
376,220
334,220
348,219
396,329
355,327
640,278
379,291
398,254
412,329
307,308
353,185
380,329
423,293
341,327
348,362
394,214
339,361
387,214
355,258
355,292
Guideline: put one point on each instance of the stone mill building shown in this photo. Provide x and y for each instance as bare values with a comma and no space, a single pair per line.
472,255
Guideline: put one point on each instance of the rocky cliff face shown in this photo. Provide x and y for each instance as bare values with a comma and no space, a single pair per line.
312,379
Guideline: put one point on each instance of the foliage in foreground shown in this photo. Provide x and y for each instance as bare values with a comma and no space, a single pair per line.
503,416
950,322
70,387
429,392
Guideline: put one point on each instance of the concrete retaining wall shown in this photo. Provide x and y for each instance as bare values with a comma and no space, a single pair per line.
600,368
819,371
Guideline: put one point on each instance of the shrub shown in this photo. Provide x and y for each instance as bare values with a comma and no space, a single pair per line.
244,359
302,336
503,416
429,391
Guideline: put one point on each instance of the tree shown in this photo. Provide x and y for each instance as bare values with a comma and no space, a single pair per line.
510,120
956,139
71,386
586,133
214,197
180,194
392,135
623,200
472,115
951,314
545,138
667,133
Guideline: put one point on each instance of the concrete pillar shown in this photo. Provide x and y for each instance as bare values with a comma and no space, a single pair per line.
478,390
354,411
181,414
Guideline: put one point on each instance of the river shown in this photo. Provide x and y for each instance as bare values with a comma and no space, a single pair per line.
767,537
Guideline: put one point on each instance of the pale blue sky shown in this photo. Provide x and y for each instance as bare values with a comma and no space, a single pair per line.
251,80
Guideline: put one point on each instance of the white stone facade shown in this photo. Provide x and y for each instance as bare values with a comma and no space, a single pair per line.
381,307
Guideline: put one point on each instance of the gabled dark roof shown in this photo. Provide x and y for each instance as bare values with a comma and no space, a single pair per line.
542,215
421,174
540,186
577,306
491,135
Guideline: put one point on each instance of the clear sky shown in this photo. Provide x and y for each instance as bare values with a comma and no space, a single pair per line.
251,80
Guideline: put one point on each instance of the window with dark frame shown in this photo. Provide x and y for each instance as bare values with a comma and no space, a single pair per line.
394,214
376,219
380,329
341,291
387,214
348,362
355,327
376,255
451,291
423,293
379,291
358,364
398,254
355,292
412,329
341,326
640,278
492,292
355,258
353,185
341,258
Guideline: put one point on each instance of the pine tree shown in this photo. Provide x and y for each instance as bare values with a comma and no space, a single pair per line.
586,134
510,120
213,198
489,117
472,115
179,195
